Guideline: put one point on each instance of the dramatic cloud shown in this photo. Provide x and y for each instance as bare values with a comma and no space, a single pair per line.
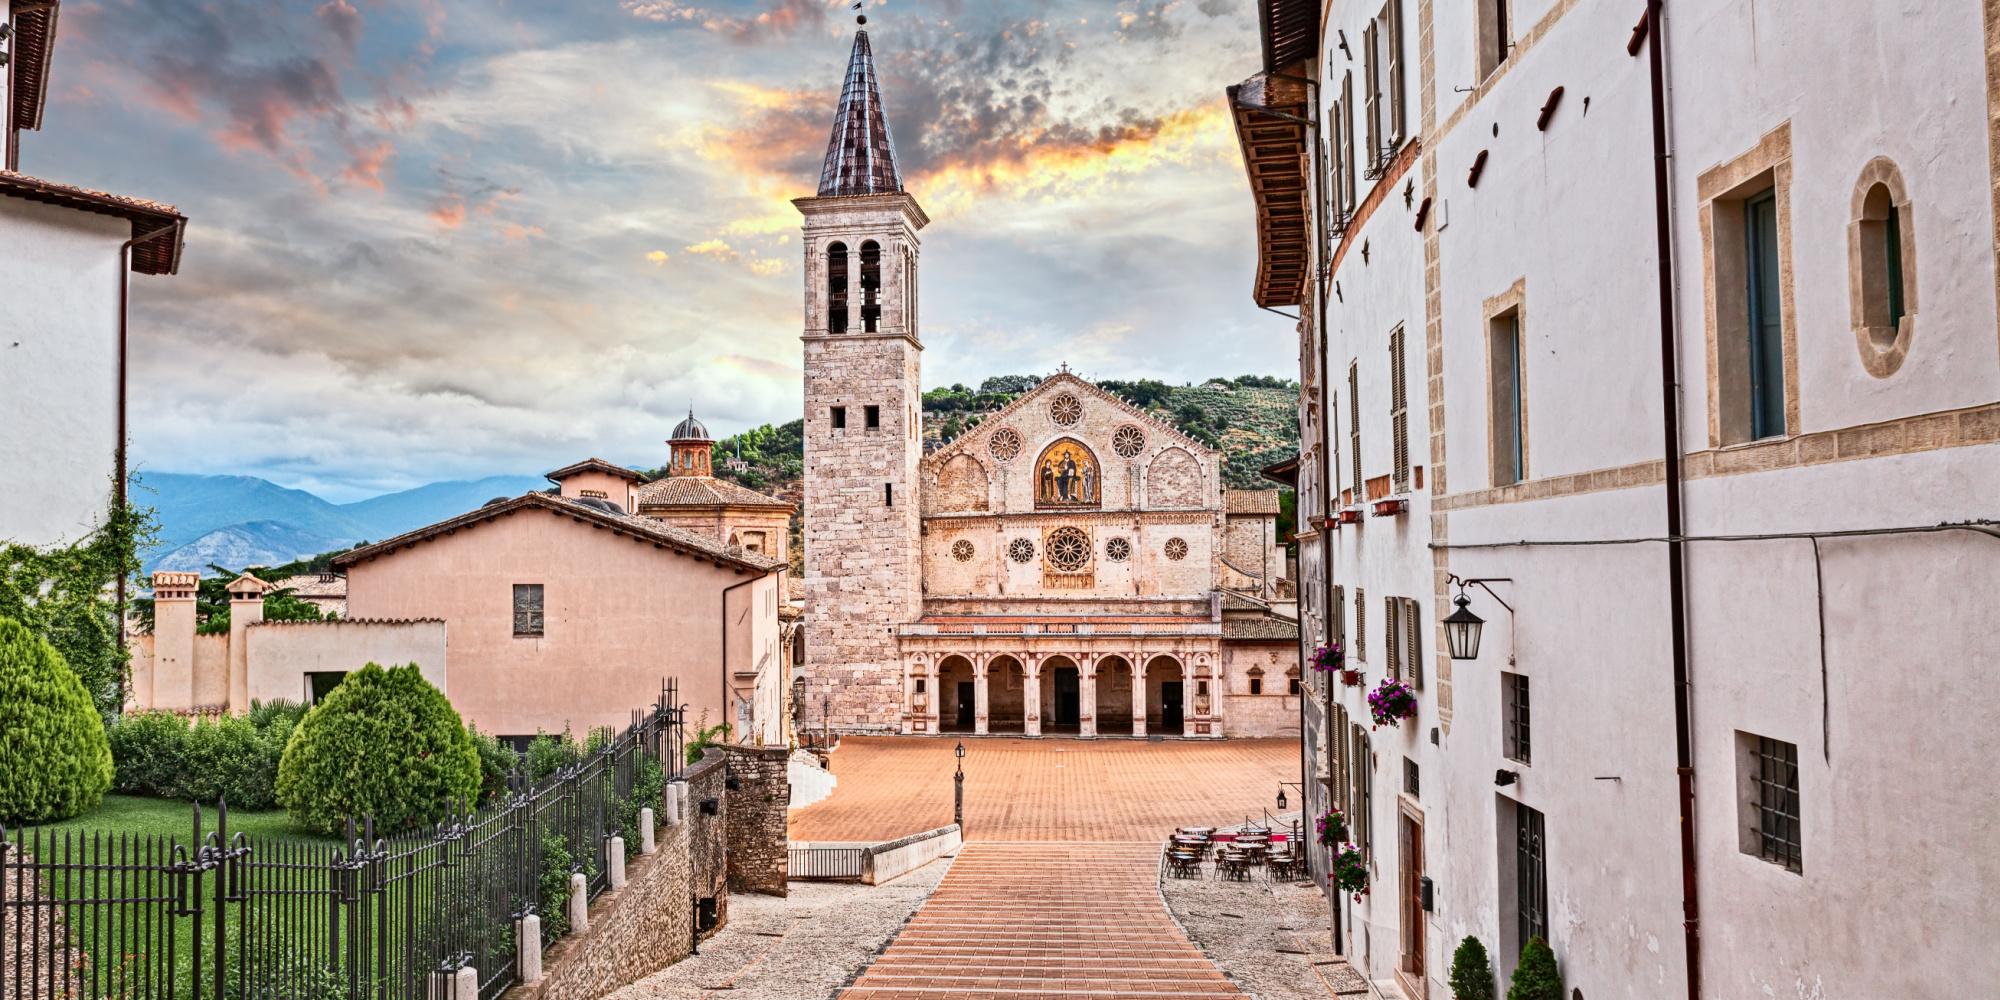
427,245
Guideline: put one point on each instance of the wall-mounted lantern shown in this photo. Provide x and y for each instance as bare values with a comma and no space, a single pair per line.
1462,628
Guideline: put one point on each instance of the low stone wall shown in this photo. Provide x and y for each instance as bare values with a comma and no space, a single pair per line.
757,816
883,862
650,923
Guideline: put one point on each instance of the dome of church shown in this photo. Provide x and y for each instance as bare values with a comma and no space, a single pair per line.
690,430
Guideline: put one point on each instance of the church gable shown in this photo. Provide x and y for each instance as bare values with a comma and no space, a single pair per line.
1068,444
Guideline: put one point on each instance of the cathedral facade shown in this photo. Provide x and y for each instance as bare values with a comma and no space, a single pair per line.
1058,569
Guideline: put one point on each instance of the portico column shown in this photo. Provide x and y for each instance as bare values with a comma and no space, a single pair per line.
979,702
1087,711
1031,694
1138,694
937,697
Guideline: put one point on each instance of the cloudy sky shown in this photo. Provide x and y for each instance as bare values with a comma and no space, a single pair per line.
448,238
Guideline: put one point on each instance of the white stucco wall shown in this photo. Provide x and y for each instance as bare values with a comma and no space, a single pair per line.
58,369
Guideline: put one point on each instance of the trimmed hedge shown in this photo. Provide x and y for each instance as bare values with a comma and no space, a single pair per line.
233,758
384,743
1471,972
54,760
1537,977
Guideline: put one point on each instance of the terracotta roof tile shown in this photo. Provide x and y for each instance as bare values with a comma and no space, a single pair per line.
1268,629
32,47
1250,501
593,465
669,537
163,225
704,491
314,585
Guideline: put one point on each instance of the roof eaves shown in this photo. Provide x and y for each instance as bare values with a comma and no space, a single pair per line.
157,229
32,50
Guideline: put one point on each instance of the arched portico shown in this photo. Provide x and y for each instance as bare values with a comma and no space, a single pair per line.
1006,695
1113,701
957,696
1166,696
1061,685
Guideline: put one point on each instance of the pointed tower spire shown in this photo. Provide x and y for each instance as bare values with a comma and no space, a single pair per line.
860,157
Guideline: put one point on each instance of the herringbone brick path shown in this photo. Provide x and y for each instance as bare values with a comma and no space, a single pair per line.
1044,921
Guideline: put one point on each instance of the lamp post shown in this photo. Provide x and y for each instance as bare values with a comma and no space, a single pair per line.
958,792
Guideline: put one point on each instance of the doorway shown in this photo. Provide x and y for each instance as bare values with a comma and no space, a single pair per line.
967,701
1410,904
958,696
1068,707
1171,719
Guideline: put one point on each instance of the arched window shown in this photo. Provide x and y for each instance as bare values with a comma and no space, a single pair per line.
836,288
1881,254
871,286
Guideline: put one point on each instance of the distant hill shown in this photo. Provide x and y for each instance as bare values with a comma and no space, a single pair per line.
243,520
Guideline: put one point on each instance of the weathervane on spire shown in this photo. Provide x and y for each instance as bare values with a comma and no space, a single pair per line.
861,19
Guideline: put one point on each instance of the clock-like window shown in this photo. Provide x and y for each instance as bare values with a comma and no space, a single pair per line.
1177,549
961,550
1118,549
1069,549
1020,550
1128,441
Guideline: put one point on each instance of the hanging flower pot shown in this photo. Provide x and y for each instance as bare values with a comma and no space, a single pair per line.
1391,702
1350,871
1329,658
1331,828
1351,678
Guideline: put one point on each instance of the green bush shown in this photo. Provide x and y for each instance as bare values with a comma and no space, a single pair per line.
551,752
496,762
226,759
1471,973
649,779
54,759
149,751
385,743
1536,978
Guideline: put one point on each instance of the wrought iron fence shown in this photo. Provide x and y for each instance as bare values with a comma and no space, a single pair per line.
227,915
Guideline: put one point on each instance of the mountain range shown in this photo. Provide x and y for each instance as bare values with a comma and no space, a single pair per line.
246,521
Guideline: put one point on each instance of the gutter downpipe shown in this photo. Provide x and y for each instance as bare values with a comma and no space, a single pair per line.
1676,556
124,340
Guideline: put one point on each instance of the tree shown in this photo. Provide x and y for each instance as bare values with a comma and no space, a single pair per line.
1537,977
384,743
1471,973
54,761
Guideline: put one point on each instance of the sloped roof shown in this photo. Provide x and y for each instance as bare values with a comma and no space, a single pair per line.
997,418
1250,501
1289,31
1266,629
704,491
594,465
665,537
314,585
32,47
162,225
860,155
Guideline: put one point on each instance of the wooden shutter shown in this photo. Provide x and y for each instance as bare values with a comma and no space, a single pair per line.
1399,411
1354,428
1413,628
1347,140
1392,613
1392,27
1371,59
1360,624
1340,615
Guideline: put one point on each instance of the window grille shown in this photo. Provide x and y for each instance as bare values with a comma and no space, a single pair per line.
1412,780
1531,875
527,609
1777,800
1519,746
1399,412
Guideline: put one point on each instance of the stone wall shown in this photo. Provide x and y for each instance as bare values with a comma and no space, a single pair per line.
756,818
708,846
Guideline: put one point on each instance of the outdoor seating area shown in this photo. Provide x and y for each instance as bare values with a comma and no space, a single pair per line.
1238,855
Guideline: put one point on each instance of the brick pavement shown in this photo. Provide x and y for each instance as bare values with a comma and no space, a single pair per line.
1047,789
1044,921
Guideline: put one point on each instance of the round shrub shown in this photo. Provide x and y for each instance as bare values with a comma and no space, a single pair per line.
226,759
149,750
1471,972
1537,977
385,743
54,760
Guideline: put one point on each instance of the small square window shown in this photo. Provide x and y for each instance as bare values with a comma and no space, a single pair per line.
1768,779
1292,686
527,609
1256,685
873,416
1412,779
1514,688
839,418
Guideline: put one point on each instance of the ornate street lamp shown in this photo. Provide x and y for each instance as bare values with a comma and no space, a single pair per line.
1281,798
958,792
1462,627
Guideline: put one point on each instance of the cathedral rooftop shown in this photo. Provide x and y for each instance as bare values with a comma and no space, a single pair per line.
860,155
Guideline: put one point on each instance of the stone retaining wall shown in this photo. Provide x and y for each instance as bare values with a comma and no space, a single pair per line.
886,861
757,812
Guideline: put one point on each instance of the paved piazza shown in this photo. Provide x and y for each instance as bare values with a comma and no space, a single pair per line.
1029,921
1047,789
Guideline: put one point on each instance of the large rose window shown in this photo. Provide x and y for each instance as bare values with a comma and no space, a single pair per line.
1069,549
1128,441
1065,410
1005,444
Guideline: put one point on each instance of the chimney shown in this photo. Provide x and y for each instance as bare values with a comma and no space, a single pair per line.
173,640
246,608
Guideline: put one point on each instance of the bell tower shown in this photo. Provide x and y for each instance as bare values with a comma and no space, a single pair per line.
863,413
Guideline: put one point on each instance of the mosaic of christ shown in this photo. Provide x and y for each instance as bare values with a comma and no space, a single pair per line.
1066,475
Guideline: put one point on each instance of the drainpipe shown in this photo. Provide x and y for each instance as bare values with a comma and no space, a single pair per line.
1676,557
124,338
726,689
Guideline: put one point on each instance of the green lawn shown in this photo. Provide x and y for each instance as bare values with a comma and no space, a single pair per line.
139,815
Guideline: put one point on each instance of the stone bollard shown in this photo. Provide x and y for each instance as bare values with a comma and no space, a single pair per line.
674,802
458,984
647,843
528,949
579,904
617,852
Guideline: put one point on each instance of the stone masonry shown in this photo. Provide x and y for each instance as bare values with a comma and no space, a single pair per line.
756,817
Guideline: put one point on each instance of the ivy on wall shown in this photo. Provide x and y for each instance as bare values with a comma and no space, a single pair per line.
68,596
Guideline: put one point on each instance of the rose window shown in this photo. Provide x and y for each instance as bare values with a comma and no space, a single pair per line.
1177,549
1118,549
1066,410
961,550
1005,444
1128,442
1021,550
1069,549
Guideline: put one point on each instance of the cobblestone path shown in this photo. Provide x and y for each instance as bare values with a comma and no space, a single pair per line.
1042,921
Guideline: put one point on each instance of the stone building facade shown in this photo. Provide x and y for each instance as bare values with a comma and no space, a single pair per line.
1057,569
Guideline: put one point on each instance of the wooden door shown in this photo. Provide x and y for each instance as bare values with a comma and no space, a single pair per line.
966,696
1410,906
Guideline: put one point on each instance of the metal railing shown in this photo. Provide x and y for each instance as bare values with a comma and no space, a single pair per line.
228,915
827,863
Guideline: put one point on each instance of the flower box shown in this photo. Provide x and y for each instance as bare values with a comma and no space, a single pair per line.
1351,678
1350,515
1391,507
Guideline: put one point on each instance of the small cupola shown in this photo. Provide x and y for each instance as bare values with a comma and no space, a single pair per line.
692,448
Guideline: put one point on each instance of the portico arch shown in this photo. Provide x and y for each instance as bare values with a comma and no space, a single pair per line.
1062,695
1006,695
1114,696
1167,700
957,698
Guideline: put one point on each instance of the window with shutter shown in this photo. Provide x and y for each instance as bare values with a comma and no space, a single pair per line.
1392,33
1340,616
527,609
1392,647
1413,629
1360,624
1399,412
1336,166
1354,426
1371,82
1347,141
1336,741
